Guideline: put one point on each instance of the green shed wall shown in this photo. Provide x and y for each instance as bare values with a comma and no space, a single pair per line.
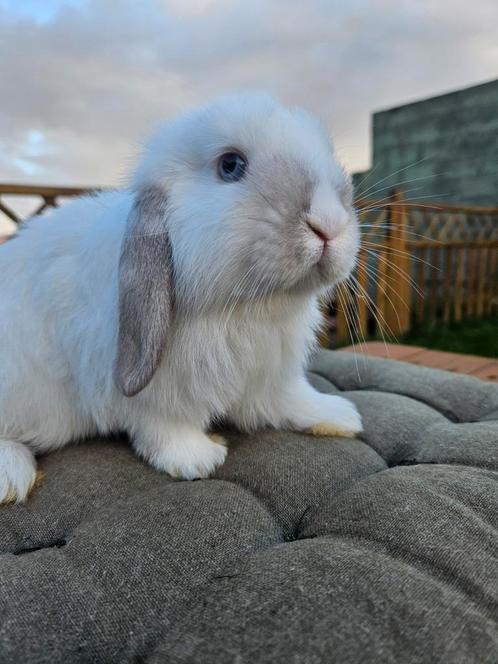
454,137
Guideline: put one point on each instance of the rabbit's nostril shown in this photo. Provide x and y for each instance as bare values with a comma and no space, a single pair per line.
318,230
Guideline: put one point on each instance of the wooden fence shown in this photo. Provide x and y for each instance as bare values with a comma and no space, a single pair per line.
419,263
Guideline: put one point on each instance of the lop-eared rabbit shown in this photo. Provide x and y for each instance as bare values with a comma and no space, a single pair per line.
186,298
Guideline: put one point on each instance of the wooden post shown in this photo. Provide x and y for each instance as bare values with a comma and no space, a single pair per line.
398,264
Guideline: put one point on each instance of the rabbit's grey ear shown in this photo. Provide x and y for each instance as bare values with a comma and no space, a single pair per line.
145,292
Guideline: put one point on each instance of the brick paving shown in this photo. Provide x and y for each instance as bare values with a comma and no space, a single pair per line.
485,368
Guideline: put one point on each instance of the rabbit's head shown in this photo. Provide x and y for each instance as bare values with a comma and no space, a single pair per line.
238,201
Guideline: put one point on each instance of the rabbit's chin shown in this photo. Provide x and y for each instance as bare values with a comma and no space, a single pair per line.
324,275
317,282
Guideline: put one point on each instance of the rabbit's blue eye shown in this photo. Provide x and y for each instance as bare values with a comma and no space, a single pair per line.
231,166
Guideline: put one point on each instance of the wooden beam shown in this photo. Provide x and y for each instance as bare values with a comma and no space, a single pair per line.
45,191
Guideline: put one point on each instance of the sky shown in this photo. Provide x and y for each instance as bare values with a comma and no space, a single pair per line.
84,81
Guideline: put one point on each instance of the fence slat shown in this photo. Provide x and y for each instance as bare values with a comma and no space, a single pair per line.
471,281
420,253
380,295
482,263
459,283
362,299
434,271
493,281
447,294
398,290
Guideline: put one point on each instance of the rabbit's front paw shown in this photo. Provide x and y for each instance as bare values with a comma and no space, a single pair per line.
322,414
17,472
194,457
338,417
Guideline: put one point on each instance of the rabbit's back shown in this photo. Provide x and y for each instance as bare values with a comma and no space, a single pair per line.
58,287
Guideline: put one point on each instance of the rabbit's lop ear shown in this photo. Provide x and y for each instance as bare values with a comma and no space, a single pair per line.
145,292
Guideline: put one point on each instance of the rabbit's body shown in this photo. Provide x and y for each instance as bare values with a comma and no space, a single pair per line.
228,351
68,301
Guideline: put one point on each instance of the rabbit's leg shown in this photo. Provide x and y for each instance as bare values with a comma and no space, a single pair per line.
181,450
17,471
299,406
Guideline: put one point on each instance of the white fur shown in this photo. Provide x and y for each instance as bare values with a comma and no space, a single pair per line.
233,351
17,471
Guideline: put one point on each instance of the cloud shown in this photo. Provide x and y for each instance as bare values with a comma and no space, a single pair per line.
90,77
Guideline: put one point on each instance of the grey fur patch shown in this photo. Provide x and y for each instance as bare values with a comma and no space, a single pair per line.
145,292
287,185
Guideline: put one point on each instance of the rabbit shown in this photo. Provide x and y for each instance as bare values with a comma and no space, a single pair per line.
187,297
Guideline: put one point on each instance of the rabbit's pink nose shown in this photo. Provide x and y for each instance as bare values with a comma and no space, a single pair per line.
319,230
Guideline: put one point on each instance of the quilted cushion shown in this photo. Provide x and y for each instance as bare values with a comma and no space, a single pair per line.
380,549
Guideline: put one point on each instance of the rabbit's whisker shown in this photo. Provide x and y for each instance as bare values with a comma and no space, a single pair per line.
394,267
400,170
377,314
345,309
398,252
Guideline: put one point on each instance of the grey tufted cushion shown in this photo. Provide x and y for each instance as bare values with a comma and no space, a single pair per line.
299,550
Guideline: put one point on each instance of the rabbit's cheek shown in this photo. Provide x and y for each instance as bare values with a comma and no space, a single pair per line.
340,257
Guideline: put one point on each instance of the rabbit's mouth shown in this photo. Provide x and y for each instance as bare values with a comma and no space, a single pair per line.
332,253
333,265
324,255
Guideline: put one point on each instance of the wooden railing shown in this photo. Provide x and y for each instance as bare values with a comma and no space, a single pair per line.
50,197
419,263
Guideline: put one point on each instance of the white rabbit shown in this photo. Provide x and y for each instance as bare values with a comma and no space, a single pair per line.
186,298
